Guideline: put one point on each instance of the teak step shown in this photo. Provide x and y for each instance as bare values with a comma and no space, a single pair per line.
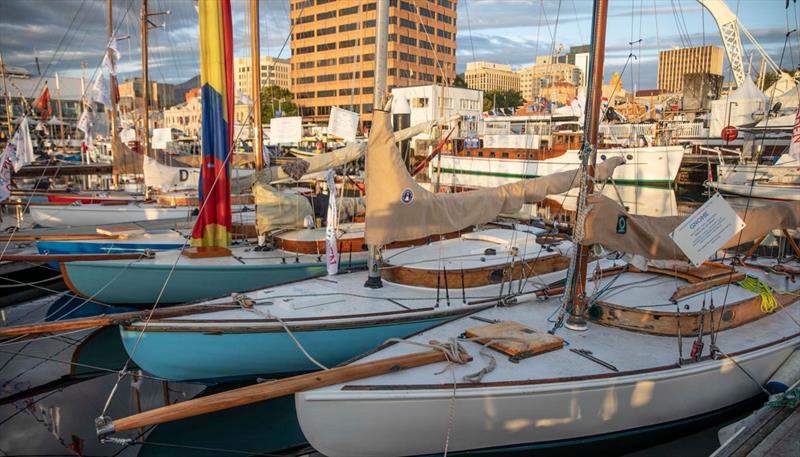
515,340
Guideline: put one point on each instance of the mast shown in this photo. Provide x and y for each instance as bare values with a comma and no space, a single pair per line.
381,75
60,115
113,85
255,64
9,110
576,320
145,25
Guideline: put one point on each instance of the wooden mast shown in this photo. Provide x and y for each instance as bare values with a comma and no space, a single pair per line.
255,66
145,25
113,85
9,109
60,113
576,320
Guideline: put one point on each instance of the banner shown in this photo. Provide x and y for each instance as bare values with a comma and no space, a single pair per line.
343,123
332,227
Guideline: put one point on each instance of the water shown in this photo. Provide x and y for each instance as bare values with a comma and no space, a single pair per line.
53,387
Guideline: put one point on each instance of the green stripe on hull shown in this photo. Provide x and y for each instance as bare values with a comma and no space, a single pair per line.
660,183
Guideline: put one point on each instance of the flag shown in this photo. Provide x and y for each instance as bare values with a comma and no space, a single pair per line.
213,226
794,148
100,91
332,227
111,64
42,104
23,146
5,172
86,123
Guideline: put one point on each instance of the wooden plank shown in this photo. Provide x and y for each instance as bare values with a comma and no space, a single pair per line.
692,289
73,257
526,341
111,319
273,389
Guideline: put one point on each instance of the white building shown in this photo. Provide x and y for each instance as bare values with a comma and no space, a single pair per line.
426,104
582,62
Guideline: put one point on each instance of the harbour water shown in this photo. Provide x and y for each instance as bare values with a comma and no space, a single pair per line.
53,387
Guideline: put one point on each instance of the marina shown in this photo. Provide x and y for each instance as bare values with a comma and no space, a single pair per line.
399,228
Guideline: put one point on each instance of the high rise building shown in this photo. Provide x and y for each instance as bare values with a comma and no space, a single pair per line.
675,63
488,76
274,72
333,51
537,77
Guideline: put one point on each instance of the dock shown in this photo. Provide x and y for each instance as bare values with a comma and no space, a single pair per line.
772,431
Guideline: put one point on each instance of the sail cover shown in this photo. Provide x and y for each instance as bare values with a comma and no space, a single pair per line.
399,209
648,236
213,227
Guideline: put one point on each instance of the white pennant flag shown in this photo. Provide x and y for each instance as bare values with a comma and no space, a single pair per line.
5,172
23,146
794,147
100,91
332,227
86,123
111,64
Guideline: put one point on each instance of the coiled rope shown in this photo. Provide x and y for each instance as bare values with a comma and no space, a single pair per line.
768,302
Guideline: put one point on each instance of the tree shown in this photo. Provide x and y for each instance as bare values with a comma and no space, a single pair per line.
459,81
273,99
502,99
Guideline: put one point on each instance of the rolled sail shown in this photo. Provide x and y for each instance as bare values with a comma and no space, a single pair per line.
648,236
213,227
399,209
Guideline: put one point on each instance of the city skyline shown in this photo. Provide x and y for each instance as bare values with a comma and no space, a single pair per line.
510,32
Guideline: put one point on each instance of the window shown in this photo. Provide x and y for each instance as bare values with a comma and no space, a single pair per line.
425,77
326,93
369,40
368,90
392,54
305,19
348,43
326,78
326,31
427,13
408,40
348,59
348,75
444,34
349,91
425,60
326,62
393,20
443,49
405,73
326,15
305,80
368,74
322,2
304,50
306,110
408,24
368,24
427,28
419,102
322,110
425,45
326,46
366,108
408,7
304,4
301,35
369,57
348,11
305,95
392,37
393,72
348,27
369,7
303,65
445,3
444,18
408,57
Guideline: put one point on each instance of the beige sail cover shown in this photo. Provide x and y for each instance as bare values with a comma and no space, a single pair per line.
648,236
399,209
124,160
277,209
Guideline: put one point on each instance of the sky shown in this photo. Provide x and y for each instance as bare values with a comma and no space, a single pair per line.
65,33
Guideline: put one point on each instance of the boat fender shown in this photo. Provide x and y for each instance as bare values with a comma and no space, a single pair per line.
786,375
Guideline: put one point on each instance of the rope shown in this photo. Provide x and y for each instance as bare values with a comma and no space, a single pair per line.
790,399
768,302
247,305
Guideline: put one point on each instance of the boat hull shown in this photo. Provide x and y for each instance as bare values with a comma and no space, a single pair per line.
95,215
766,191
138,284
197,355
107,247
654,166
525,414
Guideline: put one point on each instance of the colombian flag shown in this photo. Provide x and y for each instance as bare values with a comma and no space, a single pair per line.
213,227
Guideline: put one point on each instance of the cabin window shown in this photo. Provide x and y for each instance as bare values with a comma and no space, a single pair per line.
518,156
505,155
629,157
602,157
480,153
469,153
492,154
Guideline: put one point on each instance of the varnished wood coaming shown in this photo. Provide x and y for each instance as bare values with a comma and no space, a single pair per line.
473,277
345,245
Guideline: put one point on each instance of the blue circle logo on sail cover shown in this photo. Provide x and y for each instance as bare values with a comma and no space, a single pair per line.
407,196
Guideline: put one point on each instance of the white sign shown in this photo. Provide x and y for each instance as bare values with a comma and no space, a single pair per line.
343,123
161,137
707,229
284,130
